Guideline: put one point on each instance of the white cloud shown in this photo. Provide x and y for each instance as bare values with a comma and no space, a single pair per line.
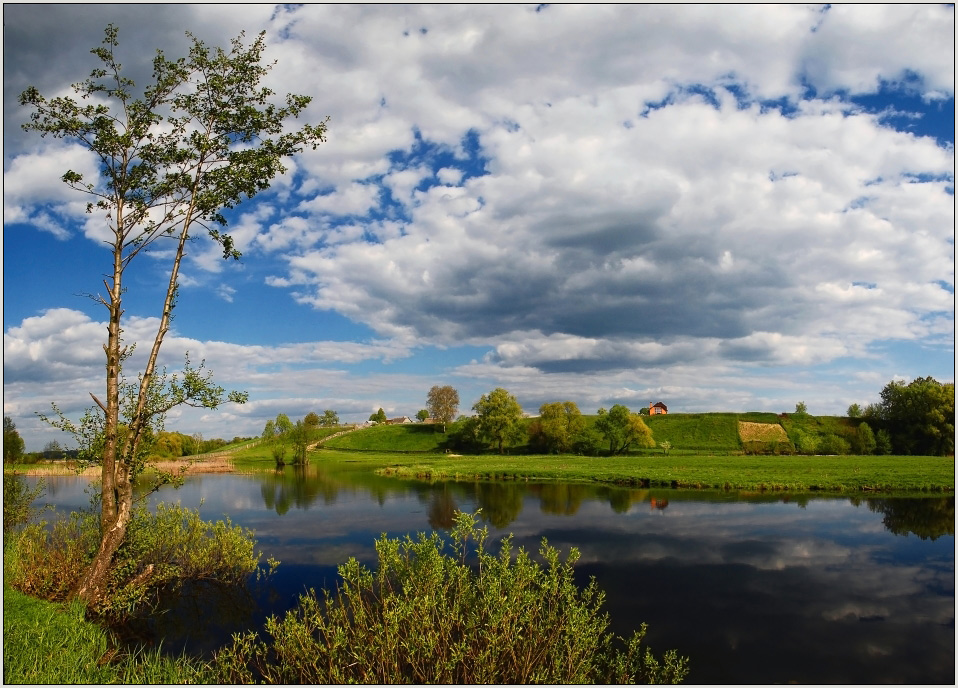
601,197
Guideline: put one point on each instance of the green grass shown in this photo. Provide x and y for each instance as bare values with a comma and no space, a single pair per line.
702,432
48,643
412,437
797,473
821,426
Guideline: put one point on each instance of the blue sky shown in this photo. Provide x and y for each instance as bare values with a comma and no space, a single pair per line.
718,207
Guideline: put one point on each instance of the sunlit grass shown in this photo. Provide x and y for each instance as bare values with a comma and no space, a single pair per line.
51,644
798,473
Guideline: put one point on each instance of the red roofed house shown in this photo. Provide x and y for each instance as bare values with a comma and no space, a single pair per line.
657,408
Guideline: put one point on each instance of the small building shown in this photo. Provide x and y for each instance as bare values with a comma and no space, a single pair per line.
399,421
657,408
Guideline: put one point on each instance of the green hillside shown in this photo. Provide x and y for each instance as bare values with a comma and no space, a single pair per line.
699,431
686,432
412,437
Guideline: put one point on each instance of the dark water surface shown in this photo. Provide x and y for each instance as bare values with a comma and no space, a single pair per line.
753,588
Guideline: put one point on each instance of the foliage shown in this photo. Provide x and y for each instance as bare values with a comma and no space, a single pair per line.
17,498
854,411
559,426
12,442
378,417
865,439
801,408
330,419
499,418
162,551
422,415
920,416
623,429
427,616
299,437
465,434
201,138
833,444
269,431
883,442
588,442
442,403
311,420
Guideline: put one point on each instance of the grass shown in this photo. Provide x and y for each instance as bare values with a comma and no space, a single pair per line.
412,437
796,473
703,432
48,643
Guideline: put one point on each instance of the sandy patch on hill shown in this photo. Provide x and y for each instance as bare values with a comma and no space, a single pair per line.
761,432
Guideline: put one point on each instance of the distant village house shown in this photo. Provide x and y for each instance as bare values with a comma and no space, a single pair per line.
657,408
398,421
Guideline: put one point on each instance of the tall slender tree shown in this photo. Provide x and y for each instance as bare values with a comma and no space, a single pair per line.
202,137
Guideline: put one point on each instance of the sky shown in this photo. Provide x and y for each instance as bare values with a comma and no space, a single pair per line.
723,208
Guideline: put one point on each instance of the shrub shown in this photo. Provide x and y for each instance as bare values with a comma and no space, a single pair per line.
17,498
426,616
161,551
833,444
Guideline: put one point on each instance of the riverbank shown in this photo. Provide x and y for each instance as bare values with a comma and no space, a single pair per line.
222,463
922,474
45,643
931,474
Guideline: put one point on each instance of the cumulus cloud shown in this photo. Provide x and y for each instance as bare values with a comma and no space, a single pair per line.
624,200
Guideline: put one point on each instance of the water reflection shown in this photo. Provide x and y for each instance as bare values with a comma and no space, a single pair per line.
756,588
926,518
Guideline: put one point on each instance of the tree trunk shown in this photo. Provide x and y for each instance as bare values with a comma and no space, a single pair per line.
92,586
116,492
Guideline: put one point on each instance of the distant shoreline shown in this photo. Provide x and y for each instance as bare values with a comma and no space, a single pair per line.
216,464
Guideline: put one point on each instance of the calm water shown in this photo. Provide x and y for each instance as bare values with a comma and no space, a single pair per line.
754,589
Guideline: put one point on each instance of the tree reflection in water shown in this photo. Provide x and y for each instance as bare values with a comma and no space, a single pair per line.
929,519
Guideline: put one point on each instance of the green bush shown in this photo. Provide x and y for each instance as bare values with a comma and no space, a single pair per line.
17,498
161,551
833,444
426,616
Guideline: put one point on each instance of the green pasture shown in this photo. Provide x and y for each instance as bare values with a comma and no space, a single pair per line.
738,472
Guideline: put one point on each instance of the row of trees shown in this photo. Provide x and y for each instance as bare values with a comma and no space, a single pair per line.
560,427
913,418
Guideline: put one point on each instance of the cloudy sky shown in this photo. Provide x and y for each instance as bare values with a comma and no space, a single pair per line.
722,208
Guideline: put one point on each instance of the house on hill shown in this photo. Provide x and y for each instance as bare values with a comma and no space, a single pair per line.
657,408
398,421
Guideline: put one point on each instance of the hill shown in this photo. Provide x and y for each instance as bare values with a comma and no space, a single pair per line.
686,432
704,432
411,437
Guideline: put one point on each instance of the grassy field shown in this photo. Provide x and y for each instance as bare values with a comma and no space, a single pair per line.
701,432
413,437
706,453
51,644
918,474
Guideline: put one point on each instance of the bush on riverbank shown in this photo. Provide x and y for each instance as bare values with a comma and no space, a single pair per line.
426,616
162,551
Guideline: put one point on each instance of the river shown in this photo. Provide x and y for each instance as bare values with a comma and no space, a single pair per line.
760,588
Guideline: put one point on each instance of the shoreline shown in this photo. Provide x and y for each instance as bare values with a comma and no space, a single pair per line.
218,464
